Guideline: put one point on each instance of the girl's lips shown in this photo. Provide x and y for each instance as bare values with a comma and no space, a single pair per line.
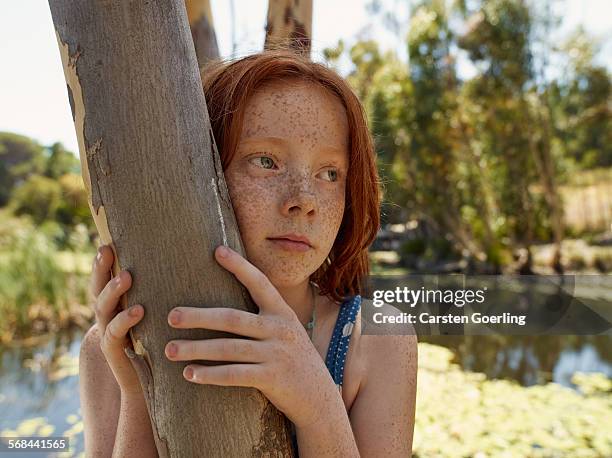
289,245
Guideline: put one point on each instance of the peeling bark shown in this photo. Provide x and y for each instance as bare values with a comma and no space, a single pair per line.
289,25
149,162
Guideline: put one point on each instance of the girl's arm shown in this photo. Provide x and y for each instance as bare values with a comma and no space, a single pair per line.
134,433
112,420
382,415
331,435
100,397
115,416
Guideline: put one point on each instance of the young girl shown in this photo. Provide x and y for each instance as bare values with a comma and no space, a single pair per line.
301,171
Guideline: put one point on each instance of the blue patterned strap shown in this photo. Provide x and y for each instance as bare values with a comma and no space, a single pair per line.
339,343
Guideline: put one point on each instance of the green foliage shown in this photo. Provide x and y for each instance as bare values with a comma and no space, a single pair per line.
332,55
36,289
431,156
498,36
439,249
414,247
20,157
366,56
45,184
480,159
39,197
60,162
581,105
74,207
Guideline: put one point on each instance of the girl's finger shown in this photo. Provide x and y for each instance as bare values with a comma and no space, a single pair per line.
238,350
115,333
109,297
100,270
227,375
263,292
226,319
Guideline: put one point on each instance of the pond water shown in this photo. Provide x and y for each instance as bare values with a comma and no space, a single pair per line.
529,359
39,393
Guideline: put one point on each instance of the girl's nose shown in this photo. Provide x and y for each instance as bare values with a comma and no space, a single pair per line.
299,200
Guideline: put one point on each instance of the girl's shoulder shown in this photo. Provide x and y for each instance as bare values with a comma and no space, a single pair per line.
372,336
376,349
384,319
387,360
385,346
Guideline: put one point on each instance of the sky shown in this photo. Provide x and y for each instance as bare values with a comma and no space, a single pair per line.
33,98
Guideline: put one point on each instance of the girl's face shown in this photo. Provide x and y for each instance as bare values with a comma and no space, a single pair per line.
288,176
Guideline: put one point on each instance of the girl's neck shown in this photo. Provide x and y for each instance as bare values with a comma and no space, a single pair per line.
299,298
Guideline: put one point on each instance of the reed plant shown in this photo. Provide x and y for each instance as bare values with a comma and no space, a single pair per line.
37,292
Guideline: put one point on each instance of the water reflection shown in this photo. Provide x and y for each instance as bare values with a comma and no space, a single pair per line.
39,393
530,360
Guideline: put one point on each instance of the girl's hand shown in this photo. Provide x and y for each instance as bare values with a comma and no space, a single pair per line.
114,324
282,362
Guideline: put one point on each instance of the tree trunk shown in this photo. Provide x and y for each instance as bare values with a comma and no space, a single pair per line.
542,150
157,194
289,25
542,153
202,26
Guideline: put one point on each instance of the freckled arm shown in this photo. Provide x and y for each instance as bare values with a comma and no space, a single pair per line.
331,435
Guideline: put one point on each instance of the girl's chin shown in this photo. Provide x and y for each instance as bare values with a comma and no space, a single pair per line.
285,269
282,281
283,276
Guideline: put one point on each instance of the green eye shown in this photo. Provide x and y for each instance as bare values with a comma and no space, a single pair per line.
333,174
265,161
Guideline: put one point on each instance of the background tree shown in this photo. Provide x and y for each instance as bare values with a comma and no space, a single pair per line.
580,99
60,161
289,25
202,27
542,137
481,158
74,208
431,156
498,41
20,157
39,196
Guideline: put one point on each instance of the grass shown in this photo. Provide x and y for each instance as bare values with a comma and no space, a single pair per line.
41,288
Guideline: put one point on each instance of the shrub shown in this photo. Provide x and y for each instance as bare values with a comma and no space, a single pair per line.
41,288
39,197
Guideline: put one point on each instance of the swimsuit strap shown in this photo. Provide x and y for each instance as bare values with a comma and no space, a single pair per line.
339,343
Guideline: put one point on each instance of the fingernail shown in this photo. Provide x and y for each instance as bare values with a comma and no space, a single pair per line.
171,349
224,251
188,373
175,317
99,256
134,310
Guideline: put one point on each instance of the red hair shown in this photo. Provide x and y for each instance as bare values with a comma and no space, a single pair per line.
227,87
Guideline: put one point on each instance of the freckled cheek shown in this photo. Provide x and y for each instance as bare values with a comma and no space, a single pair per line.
331,212
251,203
